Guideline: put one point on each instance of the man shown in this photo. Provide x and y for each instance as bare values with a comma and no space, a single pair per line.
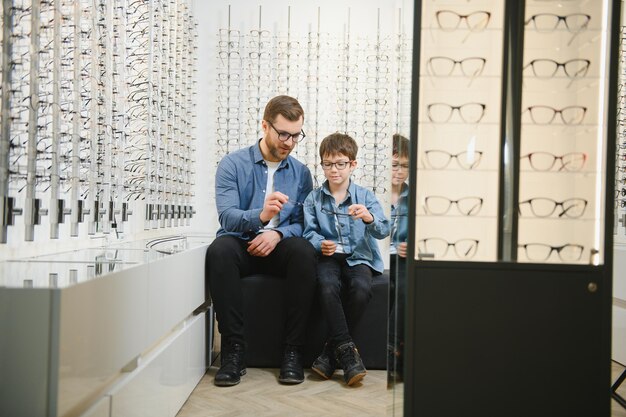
259,195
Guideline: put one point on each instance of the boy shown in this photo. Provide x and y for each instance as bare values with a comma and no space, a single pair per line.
342,221
399,232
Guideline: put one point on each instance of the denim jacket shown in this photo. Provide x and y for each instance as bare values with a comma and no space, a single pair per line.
240,182
400,219
359,238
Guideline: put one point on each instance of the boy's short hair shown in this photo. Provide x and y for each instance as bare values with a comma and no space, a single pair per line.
339,143
400,146
286,106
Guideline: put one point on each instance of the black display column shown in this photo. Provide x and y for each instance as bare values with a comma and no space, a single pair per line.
509,288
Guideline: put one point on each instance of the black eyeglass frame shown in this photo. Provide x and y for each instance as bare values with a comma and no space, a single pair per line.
285,136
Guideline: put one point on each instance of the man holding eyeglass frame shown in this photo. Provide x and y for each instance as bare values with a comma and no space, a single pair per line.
343,221
259,195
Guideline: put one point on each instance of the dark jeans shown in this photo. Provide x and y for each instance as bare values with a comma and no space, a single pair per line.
334,277
397,296
227,261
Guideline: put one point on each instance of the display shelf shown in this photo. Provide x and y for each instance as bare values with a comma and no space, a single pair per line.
68,338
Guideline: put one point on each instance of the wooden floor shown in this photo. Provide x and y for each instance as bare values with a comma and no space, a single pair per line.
260,395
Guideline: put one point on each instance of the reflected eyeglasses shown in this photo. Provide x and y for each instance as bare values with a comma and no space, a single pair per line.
463,248
396,166
438,159
285,136
547,22
542,251
547,68
449,20
439,205
441,66
545,161
545,207
469,112
544,115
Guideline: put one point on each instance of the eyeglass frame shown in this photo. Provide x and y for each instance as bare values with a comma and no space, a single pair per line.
330,165
558,250
296,138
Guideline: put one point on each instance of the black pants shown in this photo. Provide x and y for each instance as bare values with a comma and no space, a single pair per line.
397,297
336,279
227,261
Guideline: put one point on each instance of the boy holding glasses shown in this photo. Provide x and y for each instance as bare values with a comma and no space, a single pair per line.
259,192
343,220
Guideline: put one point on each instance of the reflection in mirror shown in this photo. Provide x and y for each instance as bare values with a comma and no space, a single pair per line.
397,252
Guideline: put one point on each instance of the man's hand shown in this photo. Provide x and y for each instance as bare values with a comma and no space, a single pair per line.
264,243
273,205
401,248
359,211
328,247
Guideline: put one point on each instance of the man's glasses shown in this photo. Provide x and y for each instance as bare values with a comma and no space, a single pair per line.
438,248
449,20
326,165
285,136
544,115
439,205
438,159
469,112
441,66
546,161
545,207
541,251
547,68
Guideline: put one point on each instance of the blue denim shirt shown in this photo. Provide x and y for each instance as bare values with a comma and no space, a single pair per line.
400,219
359,238
240,183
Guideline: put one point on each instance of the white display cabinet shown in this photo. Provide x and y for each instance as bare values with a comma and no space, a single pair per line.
117,322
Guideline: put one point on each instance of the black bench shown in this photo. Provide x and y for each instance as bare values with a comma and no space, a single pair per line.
264,317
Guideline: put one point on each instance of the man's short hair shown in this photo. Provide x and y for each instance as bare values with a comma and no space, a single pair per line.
339,143
400,146
286,106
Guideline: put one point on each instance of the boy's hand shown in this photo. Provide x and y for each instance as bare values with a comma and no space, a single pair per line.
264,243
273,205
401,249
359,211
328,247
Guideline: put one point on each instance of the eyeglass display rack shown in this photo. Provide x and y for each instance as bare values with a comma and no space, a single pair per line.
510,286
97,117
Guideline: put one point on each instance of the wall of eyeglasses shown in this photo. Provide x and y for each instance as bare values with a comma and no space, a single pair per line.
620,157
347,80
562,137
97,117
459,130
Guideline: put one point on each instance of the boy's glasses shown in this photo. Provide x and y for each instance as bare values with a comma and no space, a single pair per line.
326,165
398,166
285,136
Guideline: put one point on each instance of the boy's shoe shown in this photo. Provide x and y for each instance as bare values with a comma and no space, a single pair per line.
232,368
325,364
350,361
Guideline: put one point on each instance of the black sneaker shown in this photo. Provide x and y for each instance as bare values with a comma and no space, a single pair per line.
350,361
291,371
325,364
232,368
